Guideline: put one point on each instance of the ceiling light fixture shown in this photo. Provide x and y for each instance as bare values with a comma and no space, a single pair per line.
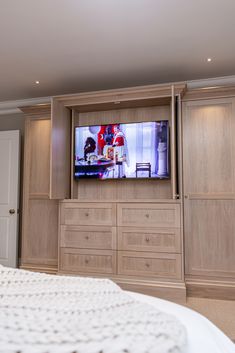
209,60
37,82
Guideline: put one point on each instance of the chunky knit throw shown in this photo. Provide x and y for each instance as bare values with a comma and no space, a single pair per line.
42,313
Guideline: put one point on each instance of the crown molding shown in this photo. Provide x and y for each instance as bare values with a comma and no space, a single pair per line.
13,107
213,82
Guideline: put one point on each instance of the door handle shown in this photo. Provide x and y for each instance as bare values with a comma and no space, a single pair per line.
12,211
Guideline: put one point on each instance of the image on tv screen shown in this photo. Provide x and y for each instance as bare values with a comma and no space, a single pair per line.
115,151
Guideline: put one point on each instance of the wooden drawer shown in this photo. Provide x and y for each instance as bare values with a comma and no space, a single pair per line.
88,237
75,213
149,239
87,261
149,215
149,264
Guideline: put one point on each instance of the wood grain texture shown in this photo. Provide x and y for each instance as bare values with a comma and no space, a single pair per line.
132,95
198,94
60,151
89,261
211,288
88,237
88,214
41,233
39,159
147,264
171,290
209,185
148,215
209,146
209,240
149,239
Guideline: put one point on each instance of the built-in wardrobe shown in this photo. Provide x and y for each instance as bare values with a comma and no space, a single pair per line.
160,237
209,192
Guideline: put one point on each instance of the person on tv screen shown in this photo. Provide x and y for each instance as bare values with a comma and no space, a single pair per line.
121,150
90,146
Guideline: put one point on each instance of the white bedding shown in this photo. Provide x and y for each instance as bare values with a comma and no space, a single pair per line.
202,335
57,314
42,313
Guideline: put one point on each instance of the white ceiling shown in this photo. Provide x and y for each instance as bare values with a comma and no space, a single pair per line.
78,45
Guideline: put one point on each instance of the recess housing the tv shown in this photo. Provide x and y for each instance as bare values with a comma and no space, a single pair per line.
117,151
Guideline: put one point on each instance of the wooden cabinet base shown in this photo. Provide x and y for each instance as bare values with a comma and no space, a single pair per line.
38,268
224,290
173,291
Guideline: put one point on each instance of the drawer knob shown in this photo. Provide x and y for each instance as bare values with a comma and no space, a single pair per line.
147,239
87,237
147,215
86,261
86,214
147,265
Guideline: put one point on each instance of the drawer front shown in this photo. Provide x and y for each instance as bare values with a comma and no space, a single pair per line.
149,215
88,261
149,239
85,237
73,213
149,264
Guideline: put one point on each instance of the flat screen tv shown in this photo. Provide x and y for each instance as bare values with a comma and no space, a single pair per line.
116,151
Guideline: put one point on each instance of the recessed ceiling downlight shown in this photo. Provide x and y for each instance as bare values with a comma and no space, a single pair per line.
209,60
37,82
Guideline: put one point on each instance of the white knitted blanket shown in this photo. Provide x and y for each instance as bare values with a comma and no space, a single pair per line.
42,313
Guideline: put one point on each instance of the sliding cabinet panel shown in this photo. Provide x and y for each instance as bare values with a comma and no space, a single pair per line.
39,156
60,151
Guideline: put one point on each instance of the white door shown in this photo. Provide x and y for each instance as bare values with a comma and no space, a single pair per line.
9,197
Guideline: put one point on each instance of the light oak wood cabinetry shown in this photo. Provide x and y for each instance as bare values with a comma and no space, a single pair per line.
40,214
98,239
128,230
209,191
87,261
132,230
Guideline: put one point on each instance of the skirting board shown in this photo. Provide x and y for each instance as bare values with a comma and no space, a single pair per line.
175,292
44,269
211,289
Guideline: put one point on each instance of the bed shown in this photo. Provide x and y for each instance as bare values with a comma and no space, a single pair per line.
42,313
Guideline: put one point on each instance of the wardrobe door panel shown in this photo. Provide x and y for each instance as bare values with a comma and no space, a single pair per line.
209,147
209,191
210,237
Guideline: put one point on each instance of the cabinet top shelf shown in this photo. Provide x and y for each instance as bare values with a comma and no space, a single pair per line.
141,96
170,201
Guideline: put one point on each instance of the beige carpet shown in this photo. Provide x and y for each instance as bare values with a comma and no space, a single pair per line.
220,312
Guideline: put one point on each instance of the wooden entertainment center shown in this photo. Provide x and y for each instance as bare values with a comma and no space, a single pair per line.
153,236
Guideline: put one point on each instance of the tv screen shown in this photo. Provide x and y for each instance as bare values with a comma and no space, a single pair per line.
116,151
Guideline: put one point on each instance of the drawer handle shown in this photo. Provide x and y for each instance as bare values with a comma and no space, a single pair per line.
147,239
147,265
86,237
86,261
147,215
